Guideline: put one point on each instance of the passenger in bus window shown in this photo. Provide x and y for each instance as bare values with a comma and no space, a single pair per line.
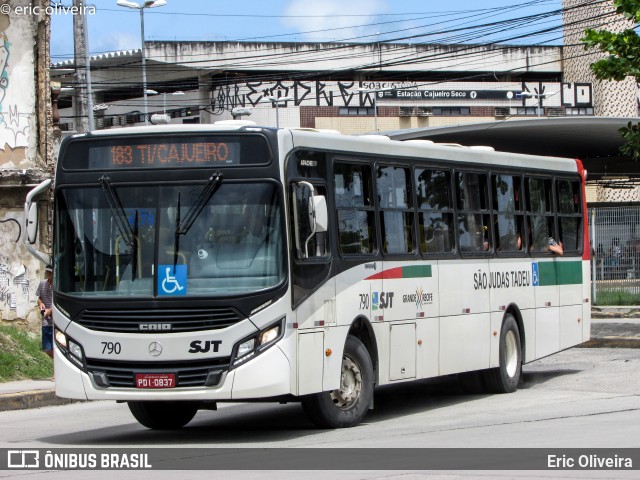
555,247
486,245
541,240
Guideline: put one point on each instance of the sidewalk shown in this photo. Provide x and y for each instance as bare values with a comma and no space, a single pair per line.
615,327
29,394
611,327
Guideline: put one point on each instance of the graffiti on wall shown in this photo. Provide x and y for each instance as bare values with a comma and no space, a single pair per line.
350,93
15,124
250,94
14,281
14,285
16,227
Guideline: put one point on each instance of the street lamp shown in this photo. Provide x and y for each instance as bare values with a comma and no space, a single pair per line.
164,118
375,103
238,112
136,6
276,101
164,100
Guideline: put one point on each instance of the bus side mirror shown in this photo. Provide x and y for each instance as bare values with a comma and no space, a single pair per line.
310,215
318,215
32,223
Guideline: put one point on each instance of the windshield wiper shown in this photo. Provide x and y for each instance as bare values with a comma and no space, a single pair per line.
122,223
207,192
119,215
134,246
182,227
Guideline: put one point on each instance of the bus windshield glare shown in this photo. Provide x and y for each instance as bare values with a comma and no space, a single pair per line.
116,240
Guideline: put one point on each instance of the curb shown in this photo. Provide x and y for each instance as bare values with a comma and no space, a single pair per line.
613,313
32,399
611,342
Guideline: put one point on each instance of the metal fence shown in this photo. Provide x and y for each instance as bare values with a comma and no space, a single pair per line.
615,242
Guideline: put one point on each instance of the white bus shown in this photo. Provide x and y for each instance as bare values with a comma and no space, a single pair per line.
223,263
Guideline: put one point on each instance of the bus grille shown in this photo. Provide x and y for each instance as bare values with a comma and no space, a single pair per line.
165,320
188,373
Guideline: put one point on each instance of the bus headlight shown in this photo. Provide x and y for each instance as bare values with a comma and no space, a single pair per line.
61,339
245,348
257,343
70,348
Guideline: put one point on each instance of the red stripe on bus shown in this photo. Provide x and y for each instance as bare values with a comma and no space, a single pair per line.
586,245
391,273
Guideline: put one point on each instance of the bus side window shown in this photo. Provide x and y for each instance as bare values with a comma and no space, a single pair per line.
396,215
569,214
473,214
540,216
507,212
435,211
355,210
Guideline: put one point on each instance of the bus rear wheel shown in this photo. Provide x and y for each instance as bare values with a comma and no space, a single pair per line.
347,405
163,415
505,378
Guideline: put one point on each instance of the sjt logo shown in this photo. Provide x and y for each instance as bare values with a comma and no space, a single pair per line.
381,300
204,346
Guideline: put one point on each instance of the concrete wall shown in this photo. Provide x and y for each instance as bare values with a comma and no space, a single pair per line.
610,98
314,57
24,152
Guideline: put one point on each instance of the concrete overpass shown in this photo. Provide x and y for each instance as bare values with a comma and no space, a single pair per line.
594,140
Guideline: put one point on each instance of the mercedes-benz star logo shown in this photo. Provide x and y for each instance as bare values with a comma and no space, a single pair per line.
155,349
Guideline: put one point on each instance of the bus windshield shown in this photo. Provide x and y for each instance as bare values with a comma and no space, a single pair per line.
113,240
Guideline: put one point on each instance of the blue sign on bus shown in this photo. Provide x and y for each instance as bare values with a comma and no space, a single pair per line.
172,280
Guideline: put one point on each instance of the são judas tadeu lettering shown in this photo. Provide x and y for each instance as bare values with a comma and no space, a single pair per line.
514,278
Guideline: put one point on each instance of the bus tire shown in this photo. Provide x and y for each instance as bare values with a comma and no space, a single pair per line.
506,377
163,415
348,405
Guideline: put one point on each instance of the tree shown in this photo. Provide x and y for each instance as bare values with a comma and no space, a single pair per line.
623,61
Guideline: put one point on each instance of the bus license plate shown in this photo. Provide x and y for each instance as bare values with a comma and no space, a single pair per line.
155,380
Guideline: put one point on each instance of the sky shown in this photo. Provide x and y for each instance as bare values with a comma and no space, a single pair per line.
113,28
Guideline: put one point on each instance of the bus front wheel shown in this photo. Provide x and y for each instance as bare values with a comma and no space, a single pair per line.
347,405
505,378
163,415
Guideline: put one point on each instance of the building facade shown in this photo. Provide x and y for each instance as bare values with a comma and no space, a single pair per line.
25,152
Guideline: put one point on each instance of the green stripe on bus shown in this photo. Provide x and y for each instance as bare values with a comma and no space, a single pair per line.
559,273
416,271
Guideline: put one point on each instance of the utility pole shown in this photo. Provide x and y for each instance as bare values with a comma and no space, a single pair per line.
83,101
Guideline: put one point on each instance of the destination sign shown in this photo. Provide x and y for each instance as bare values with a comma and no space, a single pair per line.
128,152
174,154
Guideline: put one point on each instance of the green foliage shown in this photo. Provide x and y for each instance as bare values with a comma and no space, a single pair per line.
21,356
623,61
628,8
631,134
624,53
612,297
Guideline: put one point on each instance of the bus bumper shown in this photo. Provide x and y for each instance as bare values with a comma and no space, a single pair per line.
269,375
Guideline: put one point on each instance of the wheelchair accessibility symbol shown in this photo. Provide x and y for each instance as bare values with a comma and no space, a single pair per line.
535,275
172,280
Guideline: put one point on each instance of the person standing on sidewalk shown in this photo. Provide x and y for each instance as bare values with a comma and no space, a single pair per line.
45,303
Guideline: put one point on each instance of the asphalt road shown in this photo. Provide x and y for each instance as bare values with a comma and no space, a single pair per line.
581,398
